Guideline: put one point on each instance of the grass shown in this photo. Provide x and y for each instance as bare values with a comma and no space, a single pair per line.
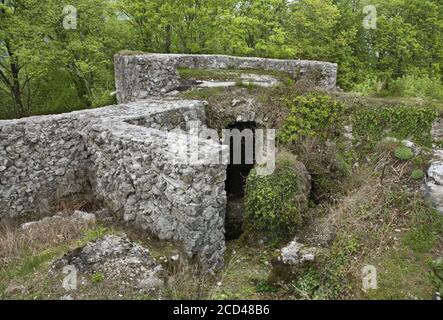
245,276
403,274
388,227
203,93
399,234
16,244
26,255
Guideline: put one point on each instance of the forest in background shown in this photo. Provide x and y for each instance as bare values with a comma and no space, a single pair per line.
57,56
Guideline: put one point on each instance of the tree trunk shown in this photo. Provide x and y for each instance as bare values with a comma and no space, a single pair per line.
82,91
16,92
81,86
168,40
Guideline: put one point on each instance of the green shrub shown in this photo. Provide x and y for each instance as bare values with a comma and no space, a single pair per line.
275,205
404,153
368,87
311,115
417,174
420,87
370,125
265,287
94,234
97,277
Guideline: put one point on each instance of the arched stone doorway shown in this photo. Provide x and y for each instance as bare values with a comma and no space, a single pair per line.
239,167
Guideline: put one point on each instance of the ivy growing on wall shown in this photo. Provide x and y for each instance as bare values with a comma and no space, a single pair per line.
275,205
401,122
312,115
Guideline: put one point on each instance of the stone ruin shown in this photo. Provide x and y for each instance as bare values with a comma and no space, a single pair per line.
143,76
129,156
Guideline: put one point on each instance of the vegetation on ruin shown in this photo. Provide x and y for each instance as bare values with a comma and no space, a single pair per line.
367,188
276,204
311,115
401,122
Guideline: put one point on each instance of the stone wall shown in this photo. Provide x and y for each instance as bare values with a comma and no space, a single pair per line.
139,76
41,159
127,156
131,156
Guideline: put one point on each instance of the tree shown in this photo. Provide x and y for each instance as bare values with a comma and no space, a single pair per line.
14,80
38,50
84,52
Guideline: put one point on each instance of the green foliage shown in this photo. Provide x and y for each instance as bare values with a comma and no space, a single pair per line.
262,286
247,85
422,87
94,234
31,263
308,284
437,267
311,115
418,174
404,153
428,226
45,68
275,204
402,122
406,30
97,277
330,280
368,86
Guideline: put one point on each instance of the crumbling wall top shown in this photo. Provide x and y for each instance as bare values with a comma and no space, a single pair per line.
140,76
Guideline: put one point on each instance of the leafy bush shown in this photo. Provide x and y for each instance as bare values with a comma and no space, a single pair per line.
420,87
313,114
404,153
401,122
412,86
329,166
369,86
275,205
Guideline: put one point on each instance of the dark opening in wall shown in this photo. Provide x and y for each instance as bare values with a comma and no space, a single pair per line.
237,172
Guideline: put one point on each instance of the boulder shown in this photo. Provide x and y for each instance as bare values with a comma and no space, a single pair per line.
118,259
433,187
82,216
77,217
291,261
